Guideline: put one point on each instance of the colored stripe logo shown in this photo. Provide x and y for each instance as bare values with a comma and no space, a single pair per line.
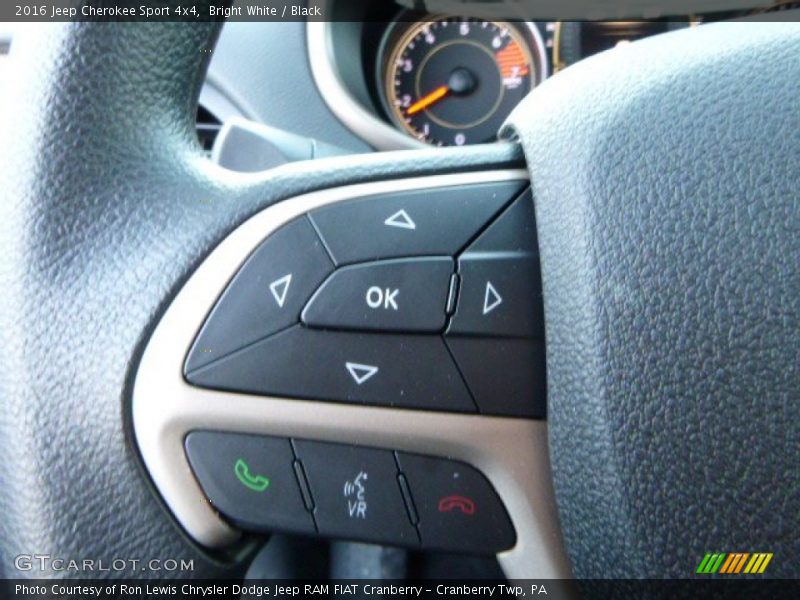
734,563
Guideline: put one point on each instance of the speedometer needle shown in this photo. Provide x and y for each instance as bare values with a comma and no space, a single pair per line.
427,100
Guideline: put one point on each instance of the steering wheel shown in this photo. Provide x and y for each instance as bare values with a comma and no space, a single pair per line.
664,177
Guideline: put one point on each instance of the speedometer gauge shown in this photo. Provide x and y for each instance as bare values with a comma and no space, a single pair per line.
453,81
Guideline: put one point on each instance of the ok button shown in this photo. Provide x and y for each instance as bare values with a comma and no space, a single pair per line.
408,294
378,297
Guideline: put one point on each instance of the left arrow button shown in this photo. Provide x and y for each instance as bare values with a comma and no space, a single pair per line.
279,289
266,295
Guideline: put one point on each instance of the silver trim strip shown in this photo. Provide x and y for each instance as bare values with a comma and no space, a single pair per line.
376,132
540,49
512,453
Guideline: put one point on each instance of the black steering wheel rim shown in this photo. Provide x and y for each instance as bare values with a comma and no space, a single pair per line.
663,177
109,204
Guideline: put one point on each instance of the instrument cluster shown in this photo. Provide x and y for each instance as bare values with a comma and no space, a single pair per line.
453,81
408,78
448,80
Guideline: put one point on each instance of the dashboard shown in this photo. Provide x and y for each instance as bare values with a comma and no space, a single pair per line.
444,80
381,76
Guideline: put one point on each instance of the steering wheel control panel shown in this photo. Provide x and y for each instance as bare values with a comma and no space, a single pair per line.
276,484
427,299
362,362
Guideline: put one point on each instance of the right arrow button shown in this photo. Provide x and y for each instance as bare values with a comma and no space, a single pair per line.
500,290
499,296
496,333
500,293
491,299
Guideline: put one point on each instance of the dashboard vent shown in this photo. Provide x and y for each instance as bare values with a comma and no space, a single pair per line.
208,127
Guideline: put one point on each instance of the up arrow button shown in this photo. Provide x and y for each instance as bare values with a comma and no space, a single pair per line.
423,222
400,219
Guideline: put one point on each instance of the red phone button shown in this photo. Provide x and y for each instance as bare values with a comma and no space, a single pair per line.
457,507
457,503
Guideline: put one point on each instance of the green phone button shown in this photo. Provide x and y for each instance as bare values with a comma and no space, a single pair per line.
257,483
250,480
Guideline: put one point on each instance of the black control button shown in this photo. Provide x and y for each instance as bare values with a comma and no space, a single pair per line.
266,295
250,479
356,493
500,295
457,507
411,371
390,295
426,222
500,287
513,231
505,375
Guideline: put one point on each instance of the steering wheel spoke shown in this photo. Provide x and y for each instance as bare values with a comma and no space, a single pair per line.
167,407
